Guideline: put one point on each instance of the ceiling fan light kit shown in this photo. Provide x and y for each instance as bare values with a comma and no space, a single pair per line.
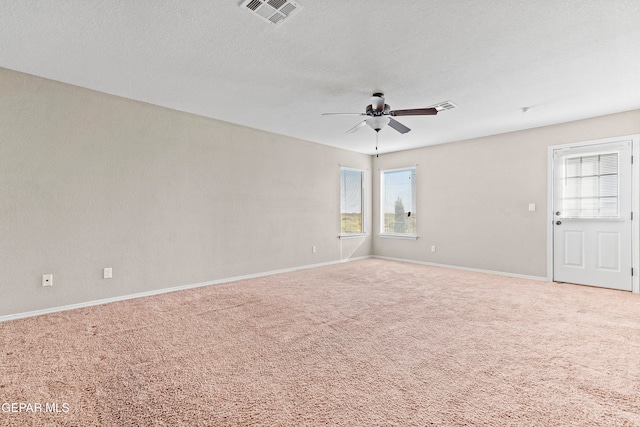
378,122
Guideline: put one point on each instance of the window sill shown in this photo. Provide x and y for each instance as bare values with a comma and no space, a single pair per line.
398,236
352,236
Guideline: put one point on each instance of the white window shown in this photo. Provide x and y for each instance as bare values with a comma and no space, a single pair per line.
351,201
590,187
398,202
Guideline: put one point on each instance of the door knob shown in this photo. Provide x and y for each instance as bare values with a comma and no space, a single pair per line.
558,213
558,222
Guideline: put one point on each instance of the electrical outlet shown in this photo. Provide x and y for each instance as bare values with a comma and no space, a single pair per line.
47,280
108,273
433,248
532,207
313,249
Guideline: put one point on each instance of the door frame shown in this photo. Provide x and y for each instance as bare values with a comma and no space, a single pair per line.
635,201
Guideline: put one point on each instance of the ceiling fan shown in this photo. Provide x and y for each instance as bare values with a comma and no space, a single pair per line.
380,114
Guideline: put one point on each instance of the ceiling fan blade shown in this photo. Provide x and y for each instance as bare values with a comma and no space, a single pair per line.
358,126
343,114
398,126
415,112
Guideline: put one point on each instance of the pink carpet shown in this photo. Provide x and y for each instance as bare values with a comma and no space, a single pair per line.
365,343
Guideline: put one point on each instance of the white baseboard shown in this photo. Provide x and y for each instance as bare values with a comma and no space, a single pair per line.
456,267
16,316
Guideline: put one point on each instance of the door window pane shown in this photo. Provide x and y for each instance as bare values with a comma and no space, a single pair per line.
590,187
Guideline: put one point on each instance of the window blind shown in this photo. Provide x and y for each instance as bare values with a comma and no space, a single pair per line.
591,186
351,201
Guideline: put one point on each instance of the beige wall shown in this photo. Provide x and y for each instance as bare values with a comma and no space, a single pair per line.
165,198
473,196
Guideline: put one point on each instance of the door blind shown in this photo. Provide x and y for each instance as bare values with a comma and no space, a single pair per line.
590,187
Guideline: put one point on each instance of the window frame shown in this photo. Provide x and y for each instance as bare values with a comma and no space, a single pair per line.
363,175
414,190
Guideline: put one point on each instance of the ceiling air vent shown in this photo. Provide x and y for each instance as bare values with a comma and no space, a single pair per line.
273,11
444,106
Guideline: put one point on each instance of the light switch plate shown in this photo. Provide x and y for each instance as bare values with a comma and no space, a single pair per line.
108,273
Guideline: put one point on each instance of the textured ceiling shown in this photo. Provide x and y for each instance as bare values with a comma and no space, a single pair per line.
564,59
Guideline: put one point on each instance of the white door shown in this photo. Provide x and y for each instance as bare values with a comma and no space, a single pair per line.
592,236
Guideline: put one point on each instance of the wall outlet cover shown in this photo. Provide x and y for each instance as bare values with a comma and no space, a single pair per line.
47,280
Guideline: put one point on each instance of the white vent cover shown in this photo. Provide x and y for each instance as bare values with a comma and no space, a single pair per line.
272,11
444,106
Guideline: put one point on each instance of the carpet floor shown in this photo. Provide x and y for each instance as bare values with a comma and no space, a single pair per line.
366,343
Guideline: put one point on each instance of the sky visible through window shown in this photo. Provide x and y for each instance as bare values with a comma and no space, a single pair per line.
398,202
397,184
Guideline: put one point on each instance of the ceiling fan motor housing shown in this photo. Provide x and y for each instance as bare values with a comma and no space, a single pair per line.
372,111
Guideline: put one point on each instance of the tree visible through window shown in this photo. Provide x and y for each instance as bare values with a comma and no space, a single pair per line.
351,201
398,201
